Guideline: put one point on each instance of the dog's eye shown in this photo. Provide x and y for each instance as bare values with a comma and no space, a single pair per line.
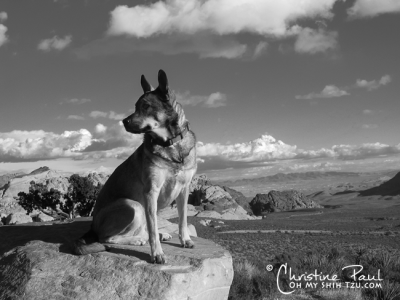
145,106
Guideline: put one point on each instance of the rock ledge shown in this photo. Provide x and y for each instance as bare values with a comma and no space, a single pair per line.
35,263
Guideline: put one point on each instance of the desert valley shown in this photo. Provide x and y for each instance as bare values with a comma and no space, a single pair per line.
332,217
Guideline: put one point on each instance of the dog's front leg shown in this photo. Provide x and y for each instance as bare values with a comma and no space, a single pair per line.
181,202
151,197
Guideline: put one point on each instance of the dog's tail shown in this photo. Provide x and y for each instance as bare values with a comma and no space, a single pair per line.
88,243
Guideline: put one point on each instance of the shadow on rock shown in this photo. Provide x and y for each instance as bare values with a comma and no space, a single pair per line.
55,233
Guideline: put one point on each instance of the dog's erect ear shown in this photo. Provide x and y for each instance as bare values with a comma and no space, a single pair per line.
162,82
145,84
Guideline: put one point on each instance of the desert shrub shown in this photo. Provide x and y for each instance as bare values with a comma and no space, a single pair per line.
40,198
251,282
79,199
390,291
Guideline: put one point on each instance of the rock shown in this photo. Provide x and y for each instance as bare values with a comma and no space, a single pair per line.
18,218
205,222
208,196
36,264
209,214
171,212
97,178
239,198
43,218
166,226
53,179
276,201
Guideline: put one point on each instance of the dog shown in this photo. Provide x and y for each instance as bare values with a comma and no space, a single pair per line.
156,174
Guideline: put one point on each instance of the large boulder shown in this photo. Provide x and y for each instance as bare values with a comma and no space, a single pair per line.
208,196
239,198
36,263
276,201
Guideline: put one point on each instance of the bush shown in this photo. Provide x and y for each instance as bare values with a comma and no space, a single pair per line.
79,199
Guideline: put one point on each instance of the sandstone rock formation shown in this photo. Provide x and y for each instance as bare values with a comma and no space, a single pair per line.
51,178
218,202
276,201
36,263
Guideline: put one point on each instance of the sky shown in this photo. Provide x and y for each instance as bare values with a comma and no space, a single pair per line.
267,86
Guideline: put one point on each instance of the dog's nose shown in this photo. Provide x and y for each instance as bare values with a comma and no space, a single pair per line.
126,121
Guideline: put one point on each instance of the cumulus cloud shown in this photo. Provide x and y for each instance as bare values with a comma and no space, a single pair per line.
212,101
75,117
371,8
267,149
38,145
3,16
263,148
329,91
263,17
312,41
373,84
54,43
110,115
3,36
211,28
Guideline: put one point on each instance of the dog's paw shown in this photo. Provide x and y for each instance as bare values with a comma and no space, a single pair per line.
165,236
159,259
187,244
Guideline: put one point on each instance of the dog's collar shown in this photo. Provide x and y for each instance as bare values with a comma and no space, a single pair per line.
173,140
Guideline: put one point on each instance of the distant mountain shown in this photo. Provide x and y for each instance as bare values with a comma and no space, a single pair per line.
282,177
5,179
39,170
388,188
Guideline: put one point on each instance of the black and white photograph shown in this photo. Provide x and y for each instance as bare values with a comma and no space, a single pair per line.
200,149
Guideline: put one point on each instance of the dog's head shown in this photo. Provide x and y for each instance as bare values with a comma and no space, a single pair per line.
153,111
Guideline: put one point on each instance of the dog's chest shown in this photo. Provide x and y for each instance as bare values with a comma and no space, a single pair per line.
173,185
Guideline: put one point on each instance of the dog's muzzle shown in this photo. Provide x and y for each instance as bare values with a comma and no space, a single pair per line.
133,127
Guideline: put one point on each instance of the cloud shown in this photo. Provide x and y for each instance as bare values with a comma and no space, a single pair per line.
329,91
39,145
371,8
204,45
260,49
75,117
100,128
3,36
263,148
313,41
267,149
36,145
110,115
78,101
55,43
212,101
3,16
211,28
368,112
373,84
222,17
